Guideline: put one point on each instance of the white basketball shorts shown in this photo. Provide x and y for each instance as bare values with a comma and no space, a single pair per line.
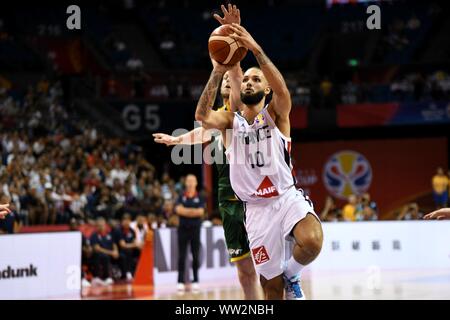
269,225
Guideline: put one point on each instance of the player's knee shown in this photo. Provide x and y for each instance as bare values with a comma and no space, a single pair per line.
313,241
246,270
247,276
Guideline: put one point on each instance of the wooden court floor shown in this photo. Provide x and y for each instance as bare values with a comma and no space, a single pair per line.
327,285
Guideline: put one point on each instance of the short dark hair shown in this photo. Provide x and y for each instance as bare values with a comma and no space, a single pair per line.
126,216
101,219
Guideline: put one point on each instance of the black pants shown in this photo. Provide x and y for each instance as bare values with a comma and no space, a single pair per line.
128,260
101,265
188,235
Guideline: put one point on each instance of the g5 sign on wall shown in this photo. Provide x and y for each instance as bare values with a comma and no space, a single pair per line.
347,172
137,118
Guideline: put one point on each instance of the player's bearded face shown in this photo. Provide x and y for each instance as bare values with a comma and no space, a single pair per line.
252,98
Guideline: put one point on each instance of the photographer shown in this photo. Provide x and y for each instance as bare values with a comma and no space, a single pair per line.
410,212
366,210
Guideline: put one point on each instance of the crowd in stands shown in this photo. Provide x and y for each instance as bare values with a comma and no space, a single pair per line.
305,90
122,58
357,208
58,169
55,167
408,87
419,87
361,208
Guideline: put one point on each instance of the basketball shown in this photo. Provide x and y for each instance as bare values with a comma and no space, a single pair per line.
224,49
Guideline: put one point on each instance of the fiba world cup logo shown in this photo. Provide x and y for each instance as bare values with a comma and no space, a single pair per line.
347,172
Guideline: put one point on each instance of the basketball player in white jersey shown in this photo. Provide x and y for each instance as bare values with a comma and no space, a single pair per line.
4,210
230,208
258,143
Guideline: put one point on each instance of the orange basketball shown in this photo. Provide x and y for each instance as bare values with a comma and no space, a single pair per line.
224,49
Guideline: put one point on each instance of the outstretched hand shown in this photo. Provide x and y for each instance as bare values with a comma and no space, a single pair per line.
232,15
440,214
165,139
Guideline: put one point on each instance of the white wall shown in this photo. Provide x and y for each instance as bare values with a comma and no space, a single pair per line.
385,244
52,261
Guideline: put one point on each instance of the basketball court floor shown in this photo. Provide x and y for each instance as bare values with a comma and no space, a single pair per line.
370,284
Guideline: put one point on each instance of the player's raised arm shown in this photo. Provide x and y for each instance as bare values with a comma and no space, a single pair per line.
196,136
281,96
231,14
204,113
235,76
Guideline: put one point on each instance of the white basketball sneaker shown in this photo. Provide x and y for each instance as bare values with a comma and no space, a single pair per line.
293,288
108,282
195,287
97,282
181,287
129,276
85,283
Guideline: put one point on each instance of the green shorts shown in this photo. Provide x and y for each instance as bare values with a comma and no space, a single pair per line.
232,213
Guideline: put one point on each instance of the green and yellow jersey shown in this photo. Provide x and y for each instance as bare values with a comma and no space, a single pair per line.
225,192
231,209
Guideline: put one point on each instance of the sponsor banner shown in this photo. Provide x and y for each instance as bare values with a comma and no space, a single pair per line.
40,266
347,246
363,115
214,259
422,113
383,259
392,171
384,244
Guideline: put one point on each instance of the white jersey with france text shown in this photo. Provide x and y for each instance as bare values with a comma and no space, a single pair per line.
259,159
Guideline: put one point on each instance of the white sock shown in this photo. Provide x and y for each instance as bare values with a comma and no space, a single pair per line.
292,268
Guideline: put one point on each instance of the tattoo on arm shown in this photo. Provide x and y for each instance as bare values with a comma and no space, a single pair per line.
273,75
209,94
262,59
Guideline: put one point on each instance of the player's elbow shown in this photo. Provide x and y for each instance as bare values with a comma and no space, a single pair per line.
200,116
282,93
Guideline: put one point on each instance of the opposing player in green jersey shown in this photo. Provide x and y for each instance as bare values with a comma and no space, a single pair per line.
231,209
